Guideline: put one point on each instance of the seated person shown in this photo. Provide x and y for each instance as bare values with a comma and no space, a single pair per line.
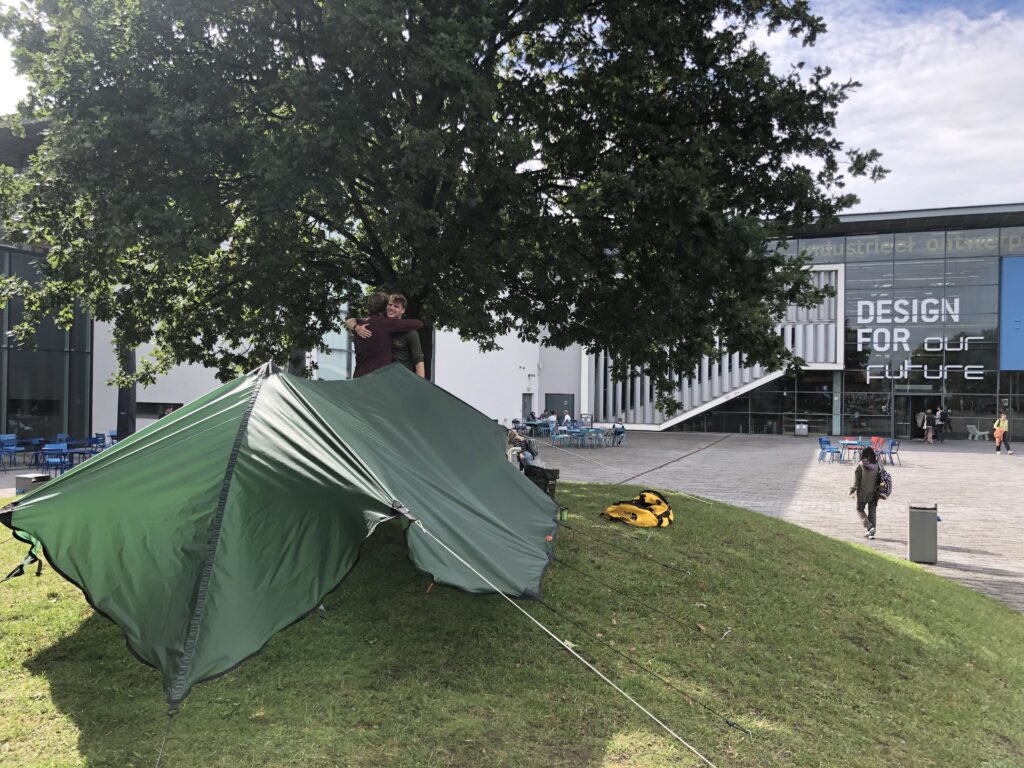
374,350
618,431
515,440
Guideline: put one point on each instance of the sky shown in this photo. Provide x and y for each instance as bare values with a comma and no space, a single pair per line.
942,96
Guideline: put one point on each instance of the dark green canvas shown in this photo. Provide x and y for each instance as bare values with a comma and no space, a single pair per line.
204,534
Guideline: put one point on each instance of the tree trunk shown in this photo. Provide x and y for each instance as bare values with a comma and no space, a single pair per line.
126,409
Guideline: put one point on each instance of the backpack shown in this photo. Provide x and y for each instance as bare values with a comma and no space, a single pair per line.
883,485
533,446
647,509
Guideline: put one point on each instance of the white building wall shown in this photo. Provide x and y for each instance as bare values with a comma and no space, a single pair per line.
492,382
182,384
560,371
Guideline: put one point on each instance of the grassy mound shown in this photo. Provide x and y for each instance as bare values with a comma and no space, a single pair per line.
829,654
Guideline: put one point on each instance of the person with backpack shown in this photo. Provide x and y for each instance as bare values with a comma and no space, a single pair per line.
865,486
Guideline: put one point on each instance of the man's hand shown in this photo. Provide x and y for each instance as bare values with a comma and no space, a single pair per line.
360,330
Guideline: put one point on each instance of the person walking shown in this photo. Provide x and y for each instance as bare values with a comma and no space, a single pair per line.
929,426
940,424
865,487
920,422
1001,433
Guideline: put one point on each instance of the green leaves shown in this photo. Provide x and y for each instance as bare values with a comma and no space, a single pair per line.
220,177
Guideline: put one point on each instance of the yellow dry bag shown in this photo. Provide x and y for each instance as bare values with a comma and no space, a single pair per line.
647,510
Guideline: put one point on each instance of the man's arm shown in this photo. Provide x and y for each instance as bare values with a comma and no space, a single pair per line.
394,325
416,353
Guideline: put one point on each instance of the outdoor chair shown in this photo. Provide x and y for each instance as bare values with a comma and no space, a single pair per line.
55,458
619,438
892,450
9,448
825,447
973,433
559,438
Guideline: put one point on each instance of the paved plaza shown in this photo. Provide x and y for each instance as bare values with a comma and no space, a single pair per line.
979,494
981,536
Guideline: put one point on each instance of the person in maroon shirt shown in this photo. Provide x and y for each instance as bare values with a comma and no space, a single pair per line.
375,351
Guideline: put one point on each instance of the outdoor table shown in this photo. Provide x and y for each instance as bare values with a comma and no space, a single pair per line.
852,445
81,454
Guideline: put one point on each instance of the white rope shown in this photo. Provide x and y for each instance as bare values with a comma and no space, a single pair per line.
617,469
565,645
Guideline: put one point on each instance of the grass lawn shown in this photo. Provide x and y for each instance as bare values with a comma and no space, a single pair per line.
829,654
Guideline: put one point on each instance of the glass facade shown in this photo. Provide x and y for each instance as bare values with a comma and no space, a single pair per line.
45,390
921,327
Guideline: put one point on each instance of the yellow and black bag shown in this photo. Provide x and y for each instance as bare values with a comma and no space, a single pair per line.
647,510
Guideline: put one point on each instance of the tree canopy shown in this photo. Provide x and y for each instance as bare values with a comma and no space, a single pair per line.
219,177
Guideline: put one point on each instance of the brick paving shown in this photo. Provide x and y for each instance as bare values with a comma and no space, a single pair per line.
980,536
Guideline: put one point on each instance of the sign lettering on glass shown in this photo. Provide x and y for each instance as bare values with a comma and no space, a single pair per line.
887,314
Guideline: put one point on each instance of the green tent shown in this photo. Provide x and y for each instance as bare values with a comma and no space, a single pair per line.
219,525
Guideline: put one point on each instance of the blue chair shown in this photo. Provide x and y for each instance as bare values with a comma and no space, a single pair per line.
892,450
9,448
559,438
113,436
825,447
56,458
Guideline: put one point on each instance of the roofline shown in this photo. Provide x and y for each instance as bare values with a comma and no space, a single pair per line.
924,213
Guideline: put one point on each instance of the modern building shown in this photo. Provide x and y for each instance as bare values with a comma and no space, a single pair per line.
928,309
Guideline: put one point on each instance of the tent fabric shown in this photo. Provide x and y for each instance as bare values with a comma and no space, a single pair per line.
226,521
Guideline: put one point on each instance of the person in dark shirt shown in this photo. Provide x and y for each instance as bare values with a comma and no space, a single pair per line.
374,351
405,347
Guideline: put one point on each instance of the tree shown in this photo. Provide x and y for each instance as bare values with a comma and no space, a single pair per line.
220,176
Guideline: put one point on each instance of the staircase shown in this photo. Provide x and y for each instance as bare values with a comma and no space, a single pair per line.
814,334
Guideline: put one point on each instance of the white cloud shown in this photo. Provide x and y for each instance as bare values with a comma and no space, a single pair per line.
940,98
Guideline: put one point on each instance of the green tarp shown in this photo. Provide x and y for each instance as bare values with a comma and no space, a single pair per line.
221,524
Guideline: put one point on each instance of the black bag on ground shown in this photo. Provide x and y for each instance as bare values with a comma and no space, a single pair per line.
543,477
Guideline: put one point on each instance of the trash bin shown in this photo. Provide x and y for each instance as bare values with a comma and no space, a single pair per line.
922,535
543,477
801,429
